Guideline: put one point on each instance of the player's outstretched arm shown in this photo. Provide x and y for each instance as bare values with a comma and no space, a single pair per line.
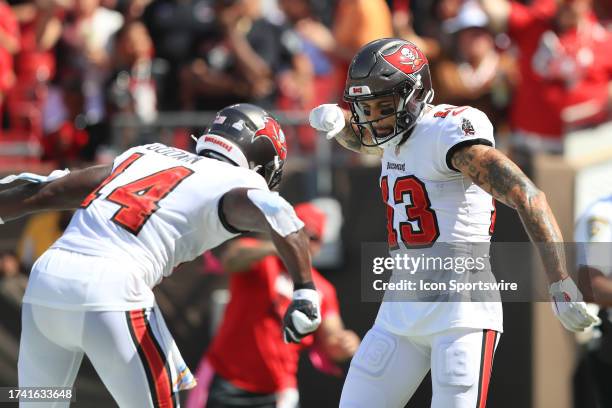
498,175
267,212
334,122
239,256
64,193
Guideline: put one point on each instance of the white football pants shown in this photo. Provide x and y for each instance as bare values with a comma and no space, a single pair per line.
388,368
123,346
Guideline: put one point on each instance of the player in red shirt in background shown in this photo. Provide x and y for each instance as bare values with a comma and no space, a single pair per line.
565,62
248,364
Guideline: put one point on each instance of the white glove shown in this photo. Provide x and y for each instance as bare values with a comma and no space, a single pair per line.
569,307
303,315
327,118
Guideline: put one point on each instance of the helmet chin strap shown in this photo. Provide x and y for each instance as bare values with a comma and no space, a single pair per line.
402,136
396,140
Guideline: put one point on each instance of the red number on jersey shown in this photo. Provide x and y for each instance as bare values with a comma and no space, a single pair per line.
391,234
419,210
454,109
118,170
139,199
493,219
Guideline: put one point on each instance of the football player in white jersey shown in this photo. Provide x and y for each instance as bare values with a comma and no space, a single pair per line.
594,249
440,170
153,209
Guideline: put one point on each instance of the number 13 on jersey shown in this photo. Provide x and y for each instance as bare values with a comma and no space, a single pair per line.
421,229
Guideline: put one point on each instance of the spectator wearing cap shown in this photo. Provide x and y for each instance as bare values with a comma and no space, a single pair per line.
476,74
565,64
248,364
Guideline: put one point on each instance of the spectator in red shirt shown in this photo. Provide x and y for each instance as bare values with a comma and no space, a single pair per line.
9,45
248,364
565,65
40,25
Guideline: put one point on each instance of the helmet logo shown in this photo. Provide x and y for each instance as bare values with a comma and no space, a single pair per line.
238,125
359,90
273,132
407,59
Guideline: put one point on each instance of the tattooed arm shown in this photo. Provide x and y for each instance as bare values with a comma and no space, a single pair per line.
500,177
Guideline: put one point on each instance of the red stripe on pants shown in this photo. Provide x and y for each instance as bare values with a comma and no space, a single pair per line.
487,366
154,361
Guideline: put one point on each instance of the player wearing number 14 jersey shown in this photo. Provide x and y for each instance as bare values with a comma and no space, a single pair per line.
156,207
440,170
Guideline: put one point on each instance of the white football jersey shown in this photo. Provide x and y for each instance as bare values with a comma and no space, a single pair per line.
428,201
157,209
593,236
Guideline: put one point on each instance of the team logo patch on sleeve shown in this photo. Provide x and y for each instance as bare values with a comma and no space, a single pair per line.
467,128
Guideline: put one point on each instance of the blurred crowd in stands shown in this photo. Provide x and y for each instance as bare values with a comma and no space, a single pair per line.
68,67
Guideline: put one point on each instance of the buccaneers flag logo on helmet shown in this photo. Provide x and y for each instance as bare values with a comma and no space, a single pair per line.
273,132
407,59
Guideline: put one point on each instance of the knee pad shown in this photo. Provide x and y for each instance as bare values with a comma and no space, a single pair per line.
457,364
375,352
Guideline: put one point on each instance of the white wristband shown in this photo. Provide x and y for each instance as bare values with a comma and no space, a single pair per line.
1,220
306,294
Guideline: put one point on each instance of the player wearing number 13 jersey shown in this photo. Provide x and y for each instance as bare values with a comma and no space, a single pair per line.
156,207
440,170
